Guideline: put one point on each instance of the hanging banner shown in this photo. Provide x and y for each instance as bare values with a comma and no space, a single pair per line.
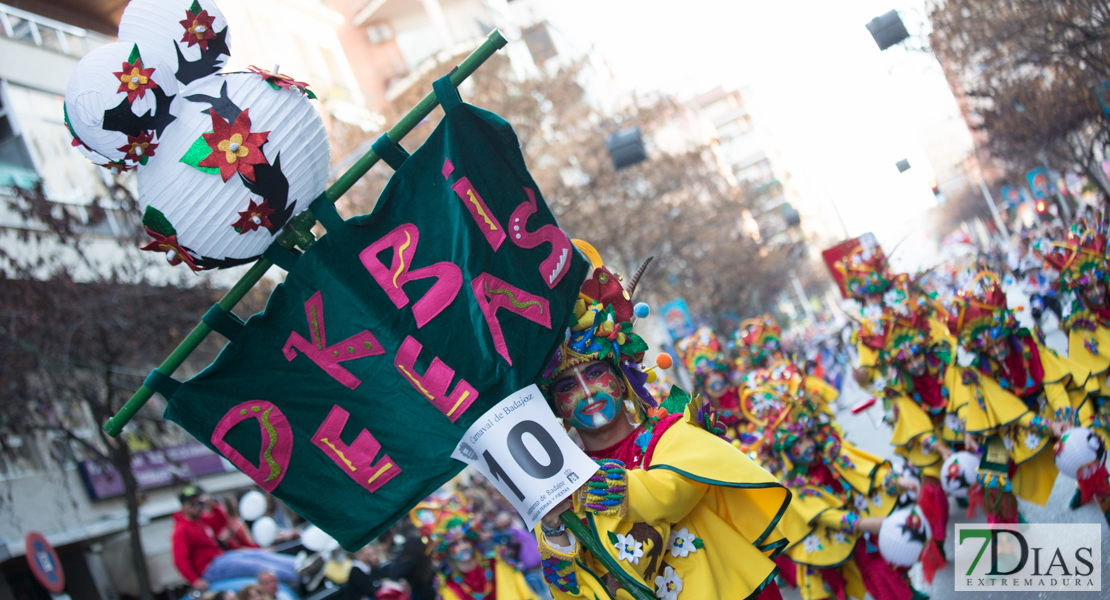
520,447
394,333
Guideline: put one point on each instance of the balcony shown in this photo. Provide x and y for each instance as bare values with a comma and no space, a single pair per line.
29,28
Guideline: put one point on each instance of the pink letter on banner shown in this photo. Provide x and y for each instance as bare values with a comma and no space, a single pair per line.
494,294
277,442
404,241
554,266
356,460
327,357
487,223
433,385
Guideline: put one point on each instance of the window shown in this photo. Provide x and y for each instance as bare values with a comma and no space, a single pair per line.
37,121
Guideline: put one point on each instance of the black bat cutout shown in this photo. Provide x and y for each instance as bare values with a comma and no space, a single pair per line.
122,119
207,262
223,105
916,534
270,183
190,71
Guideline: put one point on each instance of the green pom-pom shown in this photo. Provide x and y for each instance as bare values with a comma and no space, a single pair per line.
154,220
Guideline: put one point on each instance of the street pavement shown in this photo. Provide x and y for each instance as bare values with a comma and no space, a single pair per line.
862,431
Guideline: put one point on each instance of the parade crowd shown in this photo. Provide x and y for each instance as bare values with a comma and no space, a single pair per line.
747,482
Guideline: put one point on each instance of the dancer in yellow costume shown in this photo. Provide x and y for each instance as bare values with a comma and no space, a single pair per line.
1019,395
840,492
704,359
678,509
758,346
1081,262
462,573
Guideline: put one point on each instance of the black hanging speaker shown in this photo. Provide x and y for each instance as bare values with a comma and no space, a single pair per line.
887,30
626,147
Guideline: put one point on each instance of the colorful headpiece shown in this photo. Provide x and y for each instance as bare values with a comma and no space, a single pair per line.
701,353
758,340
858,266
444,521
1080,258
767,392
979,316
602,328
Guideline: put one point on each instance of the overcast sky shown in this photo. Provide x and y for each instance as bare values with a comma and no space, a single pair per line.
841,111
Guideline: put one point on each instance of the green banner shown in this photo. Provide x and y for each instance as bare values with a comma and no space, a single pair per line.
393,333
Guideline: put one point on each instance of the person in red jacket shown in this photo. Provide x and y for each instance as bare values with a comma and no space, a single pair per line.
200,558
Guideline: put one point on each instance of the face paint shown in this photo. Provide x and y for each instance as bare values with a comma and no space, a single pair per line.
461,551
589,396
715,384
803,452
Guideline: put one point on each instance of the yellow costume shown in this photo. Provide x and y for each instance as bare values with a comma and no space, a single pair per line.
698,517
510,585
1016,388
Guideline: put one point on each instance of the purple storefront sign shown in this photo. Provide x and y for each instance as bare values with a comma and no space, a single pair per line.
153,468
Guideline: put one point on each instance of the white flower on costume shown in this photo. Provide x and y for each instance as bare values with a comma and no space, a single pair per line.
872,311
629,549
1008,442
681,543
1032,440
668,585
811,544
840,538
861,502
952,421
876,500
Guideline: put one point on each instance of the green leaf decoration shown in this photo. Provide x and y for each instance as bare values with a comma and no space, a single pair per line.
134,54
154,220
198,152
273,85
634,345
308,92
676,402
698,543
195,8
612,538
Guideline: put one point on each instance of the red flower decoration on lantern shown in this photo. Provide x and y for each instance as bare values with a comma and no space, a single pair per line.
234,147
285,82
175,252
134,79
198,29
139,148
256,215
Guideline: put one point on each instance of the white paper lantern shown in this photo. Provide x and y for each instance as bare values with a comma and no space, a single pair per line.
229,215
959,473
116,95
264,531
252,505
190,36
903,536
1077,448
316,540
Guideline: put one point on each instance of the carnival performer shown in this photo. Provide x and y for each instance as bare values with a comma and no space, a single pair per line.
1018,395
463,573
840,494
1081,262
758,346
704,359
678,509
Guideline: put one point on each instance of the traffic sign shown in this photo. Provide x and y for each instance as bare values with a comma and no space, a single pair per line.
44,563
